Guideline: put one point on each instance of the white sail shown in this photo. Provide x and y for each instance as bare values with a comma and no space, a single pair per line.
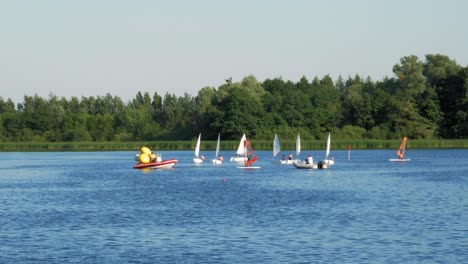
327,151
217,146
197,147
240,149
298,145
276,146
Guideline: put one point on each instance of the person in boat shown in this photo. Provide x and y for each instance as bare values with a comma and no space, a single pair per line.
221,158
283,158
202,157
290,156
153,156
309,159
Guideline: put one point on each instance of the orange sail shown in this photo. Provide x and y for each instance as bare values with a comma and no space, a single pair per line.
249,153
401,149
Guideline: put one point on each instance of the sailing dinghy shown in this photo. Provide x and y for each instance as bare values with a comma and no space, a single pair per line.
198,159
298,151
250,156
217,160
327,153
240,157
401,152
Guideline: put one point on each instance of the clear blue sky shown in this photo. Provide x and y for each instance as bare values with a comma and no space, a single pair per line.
94,47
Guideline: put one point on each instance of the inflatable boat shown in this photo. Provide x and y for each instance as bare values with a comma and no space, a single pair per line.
163,164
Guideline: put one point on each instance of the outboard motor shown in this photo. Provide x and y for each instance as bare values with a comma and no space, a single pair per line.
320,165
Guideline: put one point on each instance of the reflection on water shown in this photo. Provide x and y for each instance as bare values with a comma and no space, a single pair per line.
81,207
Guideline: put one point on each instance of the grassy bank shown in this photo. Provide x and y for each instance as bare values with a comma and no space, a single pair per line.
226,145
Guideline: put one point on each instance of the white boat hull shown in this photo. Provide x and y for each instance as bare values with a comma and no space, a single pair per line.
399,160
284,162
197,160
329,162
303,165
249,168
216,161
239,159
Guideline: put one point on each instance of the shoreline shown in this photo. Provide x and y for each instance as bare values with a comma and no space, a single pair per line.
263,145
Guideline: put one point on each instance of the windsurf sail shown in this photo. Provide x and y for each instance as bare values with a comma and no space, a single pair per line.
249,153
401,149
276,146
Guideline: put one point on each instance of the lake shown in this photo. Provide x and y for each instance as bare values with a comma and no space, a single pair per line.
92,207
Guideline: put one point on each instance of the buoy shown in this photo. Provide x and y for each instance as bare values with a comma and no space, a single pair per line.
145,150
145,158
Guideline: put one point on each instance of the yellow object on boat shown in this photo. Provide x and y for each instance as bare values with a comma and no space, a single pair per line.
145,150
145,158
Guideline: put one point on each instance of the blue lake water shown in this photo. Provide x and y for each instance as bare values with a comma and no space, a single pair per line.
92,207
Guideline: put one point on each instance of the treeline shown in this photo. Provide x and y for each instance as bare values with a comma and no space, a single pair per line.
425,100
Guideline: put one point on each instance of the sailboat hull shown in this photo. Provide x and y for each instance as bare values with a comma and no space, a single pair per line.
197,160
239,159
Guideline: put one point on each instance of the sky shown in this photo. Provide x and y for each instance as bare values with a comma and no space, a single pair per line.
94,47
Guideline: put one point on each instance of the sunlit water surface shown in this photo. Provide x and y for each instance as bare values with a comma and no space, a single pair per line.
92,207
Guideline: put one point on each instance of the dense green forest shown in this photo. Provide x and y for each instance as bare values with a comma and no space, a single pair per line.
423,100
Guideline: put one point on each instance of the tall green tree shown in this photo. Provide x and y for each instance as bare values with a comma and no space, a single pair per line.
449,82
